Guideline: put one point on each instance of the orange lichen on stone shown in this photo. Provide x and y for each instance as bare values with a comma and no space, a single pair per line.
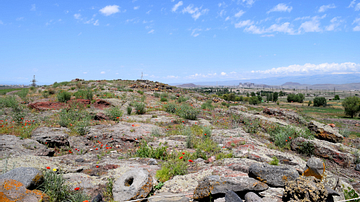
10,184
310,172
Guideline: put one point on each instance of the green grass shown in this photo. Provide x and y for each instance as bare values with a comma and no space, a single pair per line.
4,91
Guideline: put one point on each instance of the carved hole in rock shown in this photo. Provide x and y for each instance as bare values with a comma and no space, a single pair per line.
129,181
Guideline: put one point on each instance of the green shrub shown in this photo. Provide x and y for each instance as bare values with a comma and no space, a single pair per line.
306,148
82,127
72,116
206,132
350,194
140,108
282,136
207,105
337,97
145,151
296,98
140,92
8,101
63,96
23,93
163,99
45,93
84,94
182,99
171,168
114,113
170,108
351,106
129,110
254,100
309,103
274,161
157,94
319,101
187,112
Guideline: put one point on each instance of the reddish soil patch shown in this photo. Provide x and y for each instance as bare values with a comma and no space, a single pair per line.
101,104
41,106
83,102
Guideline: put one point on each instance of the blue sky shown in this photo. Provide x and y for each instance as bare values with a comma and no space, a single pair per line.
177,41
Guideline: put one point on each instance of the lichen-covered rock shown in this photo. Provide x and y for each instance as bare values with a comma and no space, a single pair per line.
220,185
53,137
134,184
275,176
30,177
12,190
315,167
306,189
325,132
252,197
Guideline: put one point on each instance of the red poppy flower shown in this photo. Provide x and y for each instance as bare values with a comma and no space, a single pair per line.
70,151
180,157
183,153
205,134
77,188
48,168
97,166
191,161
289,137
96,149
285,140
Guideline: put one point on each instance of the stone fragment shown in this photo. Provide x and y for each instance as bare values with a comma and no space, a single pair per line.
101,116
97,198
357,167
53,137
275,176
28,176
12,190
220,185
166,196
252,197
305,189
315,167
134,184
152,162
231,196
325,132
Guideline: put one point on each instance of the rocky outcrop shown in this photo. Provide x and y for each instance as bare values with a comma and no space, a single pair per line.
41,106
30,177
275,176
325,132
285,114
215,184
12,190
53,137
305,189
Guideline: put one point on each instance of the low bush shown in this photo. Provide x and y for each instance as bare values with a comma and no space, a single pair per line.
254,100
129,110
146,151
45,93
182,99
114,113
140,108
170,108
84,94
207,105
63,96
306,148
187,112
274,161
23,93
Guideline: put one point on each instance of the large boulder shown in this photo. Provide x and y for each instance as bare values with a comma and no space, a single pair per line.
134,184
54,137
325,132
315,167
275,176
215,184
28,176
12,190
305,189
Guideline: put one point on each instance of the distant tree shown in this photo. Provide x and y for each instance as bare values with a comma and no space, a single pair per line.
309,103
275,97
319,101
301,98
336,97
252,94
351,106
260,98
281,93
247,95
254,100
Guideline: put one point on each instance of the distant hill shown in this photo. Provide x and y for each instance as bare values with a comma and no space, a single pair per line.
187,85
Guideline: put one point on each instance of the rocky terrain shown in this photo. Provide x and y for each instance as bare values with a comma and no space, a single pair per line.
150,141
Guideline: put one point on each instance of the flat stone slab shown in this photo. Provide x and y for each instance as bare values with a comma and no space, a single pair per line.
28,176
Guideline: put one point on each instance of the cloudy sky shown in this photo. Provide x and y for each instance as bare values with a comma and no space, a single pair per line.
177,41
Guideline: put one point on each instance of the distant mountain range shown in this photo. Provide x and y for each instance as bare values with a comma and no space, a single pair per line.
338,81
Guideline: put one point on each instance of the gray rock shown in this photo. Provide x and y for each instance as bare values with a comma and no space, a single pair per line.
134,184
252,197
222,199
314,167
152,162
166,196
54,137
331,191
325,132
275,176
231,196
215,184
357,167
29,177
97,198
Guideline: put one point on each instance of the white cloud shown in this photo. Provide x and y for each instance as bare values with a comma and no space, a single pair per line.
357,7
96,23
223,73
335,22
302,18
281,28
77,16
312,25
102,72
280,8
195,12
172,77
1,22
33,7
195,32
352,3
19,19
151,31
180,3
323,8
222,13
108,10
227,18
249,2
243,23
136,7
239,14
255,30
84,72
148,12
312,69
267,35
356,21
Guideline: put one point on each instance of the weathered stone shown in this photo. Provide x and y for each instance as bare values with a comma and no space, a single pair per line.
220,185
29,177
272,194
165,196
252,197
89,184
41,106
324,151
54,137
101,116
357,167
97,198
12,190
331,191
315,167
275,176
325,132
134,184
152,162
231,196
290,115
305,189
